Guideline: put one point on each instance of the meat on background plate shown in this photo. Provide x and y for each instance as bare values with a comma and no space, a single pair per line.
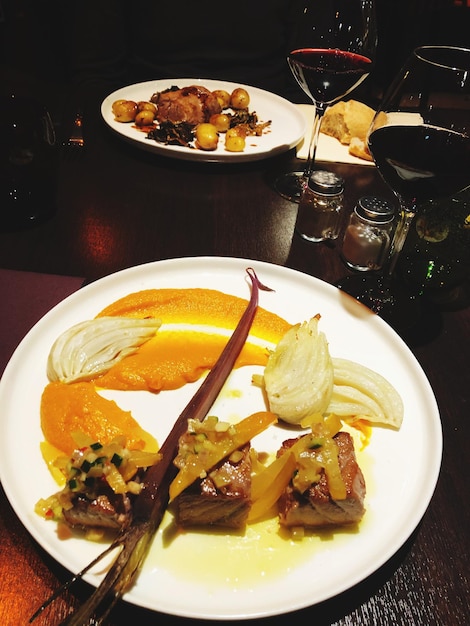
194,104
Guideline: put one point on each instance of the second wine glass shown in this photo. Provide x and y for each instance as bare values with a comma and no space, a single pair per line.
332,51
420,141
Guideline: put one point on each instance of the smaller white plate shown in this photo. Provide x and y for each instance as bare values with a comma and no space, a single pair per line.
288,124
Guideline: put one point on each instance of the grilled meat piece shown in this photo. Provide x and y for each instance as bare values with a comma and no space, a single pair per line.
315,507
193,104
106,510
220,499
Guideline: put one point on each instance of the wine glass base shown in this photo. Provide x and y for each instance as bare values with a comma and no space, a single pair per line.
290,185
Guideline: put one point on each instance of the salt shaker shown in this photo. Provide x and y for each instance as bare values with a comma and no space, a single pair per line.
368,235
320,207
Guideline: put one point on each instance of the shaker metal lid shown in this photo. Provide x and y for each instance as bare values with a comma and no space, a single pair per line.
375,209
326,183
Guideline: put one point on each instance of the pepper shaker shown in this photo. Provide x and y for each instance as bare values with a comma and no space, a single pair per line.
368,235
320,207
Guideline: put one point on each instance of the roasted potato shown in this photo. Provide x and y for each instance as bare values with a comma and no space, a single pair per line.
221,121
223,97
207,136
124,110
144,117
235,140
147,106
240,98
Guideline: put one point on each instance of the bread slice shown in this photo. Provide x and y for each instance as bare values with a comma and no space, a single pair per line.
345,120
358,148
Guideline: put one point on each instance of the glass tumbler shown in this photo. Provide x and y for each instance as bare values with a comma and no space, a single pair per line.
28,163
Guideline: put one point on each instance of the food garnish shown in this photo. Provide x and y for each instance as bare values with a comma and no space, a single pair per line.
92,347
195,325
152,501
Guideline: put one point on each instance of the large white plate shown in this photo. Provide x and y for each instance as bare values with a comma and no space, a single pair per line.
225,576
287,129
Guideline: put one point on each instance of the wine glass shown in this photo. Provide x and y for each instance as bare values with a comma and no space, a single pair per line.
332,51
420,142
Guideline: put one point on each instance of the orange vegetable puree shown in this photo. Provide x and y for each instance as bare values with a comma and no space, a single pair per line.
196,306
77,407
173,358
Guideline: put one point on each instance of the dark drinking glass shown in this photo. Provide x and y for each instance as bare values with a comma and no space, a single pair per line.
27,164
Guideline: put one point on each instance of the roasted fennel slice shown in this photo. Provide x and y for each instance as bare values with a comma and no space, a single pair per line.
298,377
364,393
91,348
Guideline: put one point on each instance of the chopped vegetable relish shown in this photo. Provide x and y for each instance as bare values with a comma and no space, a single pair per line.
93,467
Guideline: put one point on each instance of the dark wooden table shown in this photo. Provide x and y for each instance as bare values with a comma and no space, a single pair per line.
118,206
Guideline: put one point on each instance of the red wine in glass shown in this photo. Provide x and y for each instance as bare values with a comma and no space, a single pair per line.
411,160
333,45
326,75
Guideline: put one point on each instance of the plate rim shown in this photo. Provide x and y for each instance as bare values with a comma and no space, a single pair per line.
185,154
230,263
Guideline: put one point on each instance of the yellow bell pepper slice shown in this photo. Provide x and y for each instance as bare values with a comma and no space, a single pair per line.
268,485
244,432
330,462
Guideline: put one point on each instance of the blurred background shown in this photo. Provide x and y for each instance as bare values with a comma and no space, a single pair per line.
35,36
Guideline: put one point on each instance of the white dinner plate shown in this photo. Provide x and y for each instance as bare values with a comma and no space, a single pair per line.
287,128
258,573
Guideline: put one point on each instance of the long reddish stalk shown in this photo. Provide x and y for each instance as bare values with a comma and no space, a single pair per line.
150,505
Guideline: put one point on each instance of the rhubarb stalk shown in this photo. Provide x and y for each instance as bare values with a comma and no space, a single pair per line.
150,505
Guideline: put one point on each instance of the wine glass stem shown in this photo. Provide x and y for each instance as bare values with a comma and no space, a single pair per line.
407,214
312,149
